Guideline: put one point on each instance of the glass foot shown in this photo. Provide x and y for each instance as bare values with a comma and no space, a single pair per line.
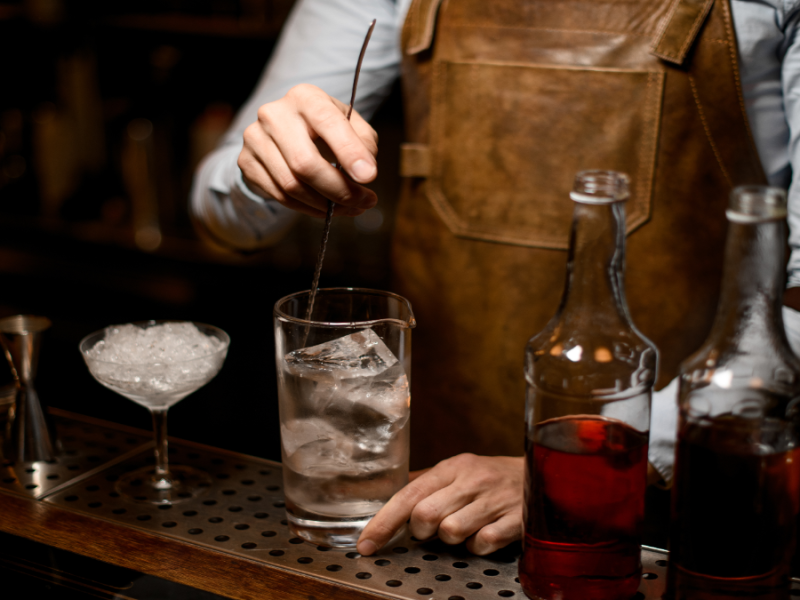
326,533
143,487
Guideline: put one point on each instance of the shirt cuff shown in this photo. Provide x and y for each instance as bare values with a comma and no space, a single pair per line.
791,323
230,211
664,430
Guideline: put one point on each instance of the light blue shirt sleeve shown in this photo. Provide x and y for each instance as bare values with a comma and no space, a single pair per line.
319,45
761,37
791,95
791,106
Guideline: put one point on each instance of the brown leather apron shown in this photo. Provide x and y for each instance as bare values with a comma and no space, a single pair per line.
505,101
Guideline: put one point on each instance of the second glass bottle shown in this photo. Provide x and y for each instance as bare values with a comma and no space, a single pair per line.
737,483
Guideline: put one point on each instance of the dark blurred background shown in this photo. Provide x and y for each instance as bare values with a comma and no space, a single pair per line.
105,110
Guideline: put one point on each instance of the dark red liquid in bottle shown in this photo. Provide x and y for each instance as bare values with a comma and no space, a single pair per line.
587,477
734,507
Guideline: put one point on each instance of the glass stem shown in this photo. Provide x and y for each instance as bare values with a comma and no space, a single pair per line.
162,479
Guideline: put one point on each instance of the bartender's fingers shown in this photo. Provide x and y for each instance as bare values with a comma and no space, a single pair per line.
293,124
484,490
398,510
497,535
278,171
653,476
266,173
361,127
412,475
455,483
354,143
431,513
457,525
255,167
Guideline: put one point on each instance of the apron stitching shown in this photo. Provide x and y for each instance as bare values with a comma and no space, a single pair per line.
552,66
650,141
708,131
662,26
433,192
557,30
693,35
738,83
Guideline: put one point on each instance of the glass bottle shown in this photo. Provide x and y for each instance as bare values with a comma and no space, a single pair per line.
735,494
589,377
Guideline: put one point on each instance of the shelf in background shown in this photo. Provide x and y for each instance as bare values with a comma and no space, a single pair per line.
8,12
200,25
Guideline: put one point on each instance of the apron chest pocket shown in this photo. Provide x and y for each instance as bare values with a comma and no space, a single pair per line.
507,141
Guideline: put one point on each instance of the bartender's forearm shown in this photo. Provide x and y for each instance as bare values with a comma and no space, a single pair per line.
791,317
791,298
653,476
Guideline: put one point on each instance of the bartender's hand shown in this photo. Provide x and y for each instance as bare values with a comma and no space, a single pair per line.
467,497
288,152
653,476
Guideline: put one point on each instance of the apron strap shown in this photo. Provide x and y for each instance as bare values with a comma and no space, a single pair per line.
415,160
679,30
419,26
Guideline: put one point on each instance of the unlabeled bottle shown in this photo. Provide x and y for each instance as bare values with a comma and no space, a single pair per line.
590,375
735,494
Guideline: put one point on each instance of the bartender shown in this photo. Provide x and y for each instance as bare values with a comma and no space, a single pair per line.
505,101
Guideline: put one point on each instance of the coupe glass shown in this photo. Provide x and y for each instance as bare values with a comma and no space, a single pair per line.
157,384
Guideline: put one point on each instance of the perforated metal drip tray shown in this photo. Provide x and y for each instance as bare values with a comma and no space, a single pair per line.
242,514
84,447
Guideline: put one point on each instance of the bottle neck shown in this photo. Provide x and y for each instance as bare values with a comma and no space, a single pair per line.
596,263
752,283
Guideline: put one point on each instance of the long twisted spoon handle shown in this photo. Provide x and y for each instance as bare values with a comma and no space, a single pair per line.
329,215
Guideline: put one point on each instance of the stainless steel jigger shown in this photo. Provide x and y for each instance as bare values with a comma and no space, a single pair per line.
30,440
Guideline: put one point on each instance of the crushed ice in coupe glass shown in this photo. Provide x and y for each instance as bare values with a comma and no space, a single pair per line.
157,364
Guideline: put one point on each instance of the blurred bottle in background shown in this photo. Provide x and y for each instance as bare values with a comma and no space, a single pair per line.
737,471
